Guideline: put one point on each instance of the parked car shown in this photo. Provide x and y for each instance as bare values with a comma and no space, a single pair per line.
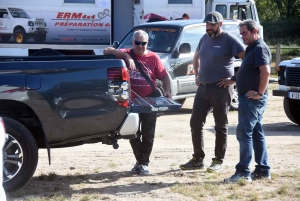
175,42
289,88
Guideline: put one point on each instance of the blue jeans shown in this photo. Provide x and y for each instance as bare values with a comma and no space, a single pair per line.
250,135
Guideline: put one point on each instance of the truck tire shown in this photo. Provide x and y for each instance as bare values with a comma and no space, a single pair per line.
234,104
292,109
5,38
20,36
20,155
40,38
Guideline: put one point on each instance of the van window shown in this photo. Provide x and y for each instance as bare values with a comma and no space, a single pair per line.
192,36
80,1
161,39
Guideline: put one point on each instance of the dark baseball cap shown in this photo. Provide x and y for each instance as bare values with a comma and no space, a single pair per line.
213,17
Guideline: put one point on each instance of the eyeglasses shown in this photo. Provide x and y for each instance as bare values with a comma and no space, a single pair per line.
244,33
140,43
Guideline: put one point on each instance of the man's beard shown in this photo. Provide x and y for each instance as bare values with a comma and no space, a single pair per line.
214,34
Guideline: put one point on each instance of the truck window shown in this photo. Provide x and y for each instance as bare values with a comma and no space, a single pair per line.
18,13
180,1
192,36
80,1
222,9
233,29
241,12
2,12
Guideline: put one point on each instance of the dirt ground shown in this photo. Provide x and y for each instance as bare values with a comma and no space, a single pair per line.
103,172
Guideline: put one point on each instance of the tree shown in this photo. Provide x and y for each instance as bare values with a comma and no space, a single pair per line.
278,9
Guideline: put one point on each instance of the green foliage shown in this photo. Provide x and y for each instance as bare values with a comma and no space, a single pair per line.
278,9
285,32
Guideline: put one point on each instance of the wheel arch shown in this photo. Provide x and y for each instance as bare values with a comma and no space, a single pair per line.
26,116
19,27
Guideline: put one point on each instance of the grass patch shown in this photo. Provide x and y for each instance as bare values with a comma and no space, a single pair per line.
51,176
284,185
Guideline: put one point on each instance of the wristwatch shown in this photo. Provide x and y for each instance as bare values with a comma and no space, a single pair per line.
259,94
233,78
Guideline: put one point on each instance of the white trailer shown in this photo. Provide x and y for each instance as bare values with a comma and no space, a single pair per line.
66,26
197,9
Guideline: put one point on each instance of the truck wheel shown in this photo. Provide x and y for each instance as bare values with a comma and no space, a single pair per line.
20,36
5,38
20,155
234,100
292,109
40,38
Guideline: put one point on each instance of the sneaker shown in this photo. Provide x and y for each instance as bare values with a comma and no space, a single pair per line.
237,177
255,175
135,168
216,166
143,170
193,164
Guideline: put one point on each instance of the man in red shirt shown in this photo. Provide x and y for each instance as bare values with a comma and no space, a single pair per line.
154,69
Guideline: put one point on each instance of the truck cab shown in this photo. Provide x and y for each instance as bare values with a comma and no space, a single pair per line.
17,23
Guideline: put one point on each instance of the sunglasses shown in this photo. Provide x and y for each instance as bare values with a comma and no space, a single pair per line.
140,43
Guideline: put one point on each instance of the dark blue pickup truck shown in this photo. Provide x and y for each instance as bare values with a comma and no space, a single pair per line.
60,101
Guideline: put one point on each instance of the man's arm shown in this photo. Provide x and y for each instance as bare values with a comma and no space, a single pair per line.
196,66
166,85
120,55
264,78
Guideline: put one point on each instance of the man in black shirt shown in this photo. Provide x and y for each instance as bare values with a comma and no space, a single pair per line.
252,80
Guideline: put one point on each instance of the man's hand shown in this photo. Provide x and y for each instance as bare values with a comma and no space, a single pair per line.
168,95
253,94
197,81
225,82
131,64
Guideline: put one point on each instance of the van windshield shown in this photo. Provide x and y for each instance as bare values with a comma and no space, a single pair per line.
18,13
161,39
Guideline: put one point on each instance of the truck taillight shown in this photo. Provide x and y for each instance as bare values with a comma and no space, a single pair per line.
118,85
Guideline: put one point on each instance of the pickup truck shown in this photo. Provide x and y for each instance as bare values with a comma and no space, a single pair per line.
175,42
289,88
60,101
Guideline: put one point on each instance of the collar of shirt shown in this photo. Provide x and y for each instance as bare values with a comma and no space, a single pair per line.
250,47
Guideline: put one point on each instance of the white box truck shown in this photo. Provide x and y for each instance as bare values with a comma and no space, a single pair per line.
197,9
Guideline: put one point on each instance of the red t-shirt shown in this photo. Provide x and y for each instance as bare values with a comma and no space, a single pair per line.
152,66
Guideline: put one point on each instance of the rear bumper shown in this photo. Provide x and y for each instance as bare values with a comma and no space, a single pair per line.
130,126
280,93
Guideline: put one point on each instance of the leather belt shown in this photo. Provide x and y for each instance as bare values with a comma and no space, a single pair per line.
209,84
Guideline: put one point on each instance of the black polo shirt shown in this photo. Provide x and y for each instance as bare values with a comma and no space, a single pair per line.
248,78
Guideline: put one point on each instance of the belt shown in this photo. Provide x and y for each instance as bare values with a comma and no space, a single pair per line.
209,84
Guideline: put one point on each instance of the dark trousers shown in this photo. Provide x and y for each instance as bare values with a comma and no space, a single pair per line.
143,144
211,97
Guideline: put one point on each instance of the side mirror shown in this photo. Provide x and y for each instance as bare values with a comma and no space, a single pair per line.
115,44
185,48
5,16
